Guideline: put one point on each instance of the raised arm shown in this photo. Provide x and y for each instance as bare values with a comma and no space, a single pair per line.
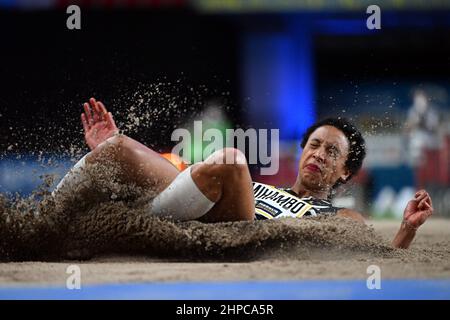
417,211
98,123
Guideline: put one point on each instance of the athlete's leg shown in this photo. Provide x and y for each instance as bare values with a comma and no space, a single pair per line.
211,191
138,163
227,184
133,163
222,188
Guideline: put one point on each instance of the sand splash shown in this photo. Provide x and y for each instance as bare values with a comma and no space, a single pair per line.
107,217
83,224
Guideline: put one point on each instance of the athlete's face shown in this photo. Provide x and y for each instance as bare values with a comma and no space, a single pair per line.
322,162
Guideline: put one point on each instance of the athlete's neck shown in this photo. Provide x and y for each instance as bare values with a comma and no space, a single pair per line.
304,192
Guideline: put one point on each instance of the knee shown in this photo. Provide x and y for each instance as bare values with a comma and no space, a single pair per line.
228,156
234,157
227,163
214,173
117,140
115,147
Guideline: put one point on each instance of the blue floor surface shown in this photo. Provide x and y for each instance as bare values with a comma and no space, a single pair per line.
248,290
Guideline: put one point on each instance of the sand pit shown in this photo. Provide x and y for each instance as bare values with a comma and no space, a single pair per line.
428,258
114,239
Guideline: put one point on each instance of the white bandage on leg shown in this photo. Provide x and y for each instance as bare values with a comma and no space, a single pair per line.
182,200
73,178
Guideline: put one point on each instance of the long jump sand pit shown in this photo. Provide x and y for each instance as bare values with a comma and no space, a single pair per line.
104,228
324,249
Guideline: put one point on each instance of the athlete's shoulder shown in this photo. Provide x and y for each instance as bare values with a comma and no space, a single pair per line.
350,213
263,184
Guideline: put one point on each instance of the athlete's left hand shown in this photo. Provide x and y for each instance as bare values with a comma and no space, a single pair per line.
418,210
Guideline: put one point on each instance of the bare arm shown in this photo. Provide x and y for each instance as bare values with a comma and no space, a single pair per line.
416,213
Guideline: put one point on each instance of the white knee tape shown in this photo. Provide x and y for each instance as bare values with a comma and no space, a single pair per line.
182,200
74,177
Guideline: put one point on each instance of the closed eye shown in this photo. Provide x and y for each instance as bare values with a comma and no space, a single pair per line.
333,151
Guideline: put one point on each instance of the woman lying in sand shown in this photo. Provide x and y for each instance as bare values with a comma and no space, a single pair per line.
218,189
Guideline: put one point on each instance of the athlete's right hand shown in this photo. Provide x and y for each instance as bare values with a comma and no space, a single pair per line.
98,123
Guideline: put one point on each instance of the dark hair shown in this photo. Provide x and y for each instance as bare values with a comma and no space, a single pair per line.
357,145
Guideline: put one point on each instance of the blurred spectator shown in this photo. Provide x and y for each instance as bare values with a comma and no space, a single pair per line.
422,127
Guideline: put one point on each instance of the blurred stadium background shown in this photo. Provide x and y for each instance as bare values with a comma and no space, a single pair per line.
265,64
